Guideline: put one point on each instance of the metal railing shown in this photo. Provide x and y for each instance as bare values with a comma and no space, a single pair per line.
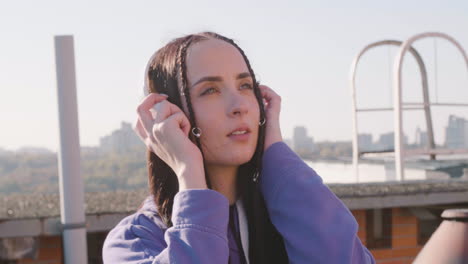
399,106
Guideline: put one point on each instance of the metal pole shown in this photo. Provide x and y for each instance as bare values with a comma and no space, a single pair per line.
399,148
422,69
70,181
354,118
398,117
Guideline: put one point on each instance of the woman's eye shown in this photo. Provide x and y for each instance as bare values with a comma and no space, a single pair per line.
209,91
247,86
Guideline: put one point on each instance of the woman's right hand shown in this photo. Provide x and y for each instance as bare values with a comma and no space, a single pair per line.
165,132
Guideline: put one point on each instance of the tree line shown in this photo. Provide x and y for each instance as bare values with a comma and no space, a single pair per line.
38,172
103,171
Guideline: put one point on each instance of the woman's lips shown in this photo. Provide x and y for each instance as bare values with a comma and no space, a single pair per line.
240,137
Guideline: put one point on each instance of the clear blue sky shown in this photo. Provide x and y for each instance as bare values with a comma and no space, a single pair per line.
302,49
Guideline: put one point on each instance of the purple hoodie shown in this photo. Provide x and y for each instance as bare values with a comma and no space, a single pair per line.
316,226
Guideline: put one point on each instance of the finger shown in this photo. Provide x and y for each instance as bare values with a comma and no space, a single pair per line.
140,130
182,121
184,124
267,92
150,100
146,122
263,91
143,111
273,101
268,95
165,109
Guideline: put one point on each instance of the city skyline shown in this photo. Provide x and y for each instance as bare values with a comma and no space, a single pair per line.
123,138
305,57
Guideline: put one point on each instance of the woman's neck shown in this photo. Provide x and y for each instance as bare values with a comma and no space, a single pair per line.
223,179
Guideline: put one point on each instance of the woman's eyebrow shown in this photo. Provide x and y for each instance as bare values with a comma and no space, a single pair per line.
220,79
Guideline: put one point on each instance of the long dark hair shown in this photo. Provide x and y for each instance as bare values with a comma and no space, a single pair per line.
164,72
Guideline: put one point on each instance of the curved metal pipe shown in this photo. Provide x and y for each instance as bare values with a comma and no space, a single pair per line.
399,151
422,69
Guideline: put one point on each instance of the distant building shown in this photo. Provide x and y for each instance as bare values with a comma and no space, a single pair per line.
302,143
365,141
121,140
420,138
456,133
387,141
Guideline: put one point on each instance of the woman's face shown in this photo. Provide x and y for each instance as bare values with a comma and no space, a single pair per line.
221,91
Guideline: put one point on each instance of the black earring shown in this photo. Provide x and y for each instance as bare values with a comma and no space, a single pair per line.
262,122
196,131
255,176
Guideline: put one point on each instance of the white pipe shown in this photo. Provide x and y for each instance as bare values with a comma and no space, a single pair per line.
352,80
354,117
70,181
398,117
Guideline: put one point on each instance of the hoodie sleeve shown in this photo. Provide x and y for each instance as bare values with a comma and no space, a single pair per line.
198,234
316,226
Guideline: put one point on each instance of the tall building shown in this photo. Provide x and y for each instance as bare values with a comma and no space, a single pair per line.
365,141
456,132
121,140
420,138
302,143
387,141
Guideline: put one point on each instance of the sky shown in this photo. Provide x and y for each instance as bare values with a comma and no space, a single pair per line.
301,49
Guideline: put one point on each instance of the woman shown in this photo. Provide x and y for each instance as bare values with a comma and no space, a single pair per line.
225,188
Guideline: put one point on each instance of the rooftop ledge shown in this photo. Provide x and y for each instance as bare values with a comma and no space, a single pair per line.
354,195
39,214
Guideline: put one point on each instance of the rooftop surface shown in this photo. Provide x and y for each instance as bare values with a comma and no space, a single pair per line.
355,196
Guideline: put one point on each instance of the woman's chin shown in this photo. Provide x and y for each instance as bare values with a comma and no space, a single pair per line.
241,160
234,159
242,157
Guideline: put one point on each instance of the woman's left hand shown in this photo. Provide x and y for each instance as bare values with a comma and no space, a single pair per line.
272,112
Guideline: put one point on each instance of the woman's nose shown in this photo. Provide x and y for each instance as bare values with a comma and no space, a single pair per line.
237,106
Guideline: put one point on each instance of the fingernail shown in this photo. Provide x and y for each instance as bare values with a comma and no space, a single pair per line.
163,94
